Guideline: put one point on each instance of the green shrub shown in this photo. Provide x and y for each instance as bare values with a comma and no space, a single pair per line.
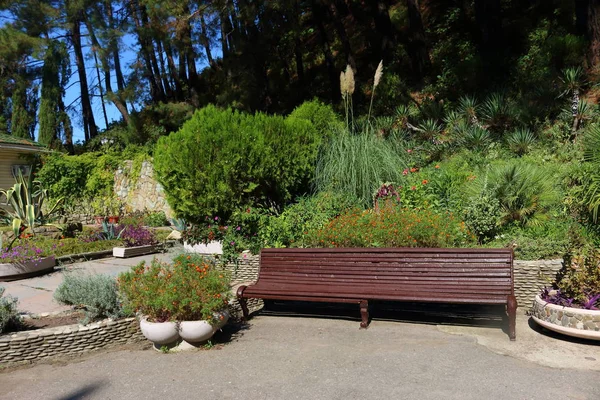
9,315
580,279
319,114
224,160
308,214
392,226
357,164
482,216
95,294
156,219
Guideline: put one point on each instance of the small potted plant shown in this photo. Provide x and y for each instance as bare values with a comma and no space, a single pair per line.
137,239
186,299
572,305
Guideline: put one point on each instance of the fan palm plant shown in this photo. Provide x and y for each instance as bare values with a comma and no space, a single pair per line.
520,140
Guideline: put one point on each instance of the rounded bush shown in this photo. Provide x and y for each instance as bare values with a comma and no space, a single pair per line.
222,160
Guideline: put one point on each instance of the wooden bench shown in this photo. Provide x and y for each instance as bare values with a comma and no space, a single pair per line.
357,275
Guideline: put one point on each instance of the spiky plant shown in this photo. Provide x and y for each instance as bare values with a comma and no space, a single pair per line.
573,81
469,106
591,153
384,126
497,112
584,112
475,137
521,140
429,129
404,114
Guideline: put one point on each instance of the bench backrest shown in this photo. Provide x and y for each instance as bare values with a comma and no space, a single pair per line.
465,271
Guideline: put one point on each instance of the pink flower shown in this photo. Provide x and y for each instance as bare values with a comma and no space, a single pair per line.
413,188
405,172
409,151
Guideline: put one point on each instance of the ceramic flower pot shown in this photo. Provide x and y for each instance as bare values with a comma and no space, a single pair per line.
160,333
201,331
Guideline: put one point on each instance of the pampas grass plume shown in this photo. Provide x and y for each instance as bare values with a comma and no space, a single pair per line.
378,74
349,79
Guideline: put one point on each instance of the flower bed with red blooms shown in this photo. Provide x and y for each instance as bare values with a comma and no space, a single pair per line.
189,289
393,226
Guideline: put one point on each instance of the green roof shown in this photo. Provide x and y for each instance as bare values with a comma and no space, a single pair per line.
17,141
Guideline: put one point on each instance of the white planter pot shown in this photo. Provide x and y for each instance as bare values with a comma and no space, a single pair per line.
213,247
125,252
11,272
160,333
201,331
569,321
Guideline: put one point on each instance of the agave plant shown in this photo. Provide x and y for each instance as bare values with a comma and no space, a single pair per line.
404,114
24,205
583,112
520,140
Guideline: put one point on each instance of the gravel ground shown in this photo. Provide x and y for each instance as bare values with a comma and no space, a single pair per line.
319,358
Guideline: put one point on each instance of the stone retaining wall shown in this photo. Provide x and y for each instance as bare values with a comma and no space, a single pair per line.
531,277
67,340
143,193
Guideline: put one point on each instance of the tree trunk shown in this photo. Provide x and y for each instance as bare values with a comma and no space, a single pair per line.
581,17
114,47
489,22
206,42
317,13
417,45
341,30
89,123
385,29
173,71
593,32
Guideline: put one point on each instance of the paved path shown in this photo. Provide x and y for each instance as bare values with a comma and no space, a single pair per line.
36,294
311,358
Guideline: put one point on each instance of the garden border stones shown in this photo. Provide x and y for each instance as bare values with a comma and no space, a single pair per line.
28,346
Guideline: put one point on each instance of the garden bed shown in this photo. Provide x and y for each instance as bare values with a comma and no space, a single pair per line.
26,269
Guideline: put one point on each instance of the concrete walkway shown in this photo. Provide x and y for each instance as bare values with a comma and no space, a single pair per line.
314,358
36,294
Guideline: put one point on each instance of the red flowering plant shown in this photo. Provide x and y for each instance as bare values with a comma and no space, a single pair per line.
190,288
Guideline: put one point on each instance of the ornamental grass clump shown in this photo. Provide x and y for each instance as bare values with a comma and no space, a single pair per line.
393,226
191,288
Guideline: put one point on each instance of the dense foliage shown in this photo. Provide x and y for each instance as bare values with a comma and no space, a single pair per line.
223,160
191,288
9,315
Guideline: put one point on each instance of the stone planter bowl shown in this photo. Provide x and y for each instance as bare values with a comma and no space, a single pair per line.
11,272
576,322
160,333
200,331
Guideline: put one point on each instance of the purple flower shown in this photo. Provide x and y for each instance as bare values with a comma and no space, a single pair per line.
238,228
232,243
216,218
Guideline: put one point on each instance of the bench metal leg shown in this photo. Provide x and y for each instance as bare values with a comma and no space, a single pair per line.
364,314
511,309
243,302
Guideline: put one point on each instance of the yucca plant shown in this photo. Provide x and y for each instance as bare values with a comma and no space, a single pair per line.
520,140
497,112
429,129
469,107
404,115
583,112
573,81
24,205
475,137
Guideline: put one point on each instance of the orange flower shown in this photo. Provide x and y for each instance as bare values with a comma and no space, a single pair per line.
414,169
425,181
437,166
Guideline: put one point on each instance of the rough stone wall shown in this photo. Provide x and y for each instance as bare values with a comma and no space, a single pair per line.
67,340
531,277
143,194
245,272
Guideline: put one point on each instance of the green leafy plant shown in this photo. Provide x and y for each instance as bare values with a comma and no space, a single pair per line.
224,160
482,216
475,137
96,295
9,315
156,219
190,288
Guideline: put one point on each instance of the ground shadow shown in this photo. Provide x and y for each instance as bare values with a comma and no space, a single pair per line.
559,336
230,332
424,313
82,392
